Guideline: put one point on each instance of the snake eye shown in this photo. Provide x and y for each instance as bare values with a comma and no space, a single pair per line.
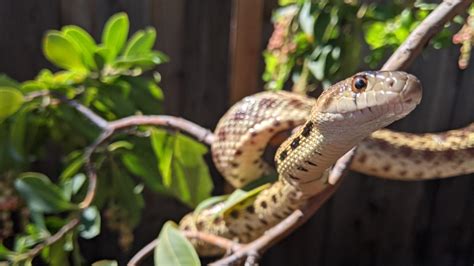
359,83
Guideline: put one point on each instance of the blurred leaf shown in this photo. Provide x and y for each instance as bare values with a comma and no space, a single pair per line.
10,101
306,19
105,263
210,202
115,34
90,223
141,42
122,144
174,248
144,168
182,167
84,41
128,198
72,168
41,195
60,51
72,186
239,198
57,253
6,81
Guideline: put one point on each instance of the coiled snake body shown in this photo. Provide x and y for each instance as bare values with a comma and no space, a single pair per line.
350,112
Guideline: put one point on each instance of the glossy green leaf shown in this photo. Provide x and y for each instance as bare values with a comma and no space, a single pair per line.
84,41
60,51
115,34
174,248
141,42
10,101
41,194
90,223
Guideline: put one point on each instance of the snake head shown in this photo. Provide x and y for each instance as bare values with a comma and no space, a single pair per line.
373,99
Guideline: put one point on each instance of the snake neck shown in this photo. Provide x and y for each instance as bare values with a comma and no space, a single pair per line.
305,158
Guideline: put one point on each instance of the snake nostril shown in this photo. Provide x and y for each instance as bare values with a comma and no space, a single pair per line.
391,82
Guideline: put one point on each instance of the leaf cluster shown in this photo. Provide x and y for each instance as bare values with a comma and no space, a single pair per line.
42,140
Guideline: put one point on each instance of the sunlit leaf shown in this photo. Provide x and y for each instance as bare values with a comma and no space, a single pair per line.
306,19
174,248
105,263
210,202
84,41
239,198
141,42
41,194
10,101
115,34
60,51
90,223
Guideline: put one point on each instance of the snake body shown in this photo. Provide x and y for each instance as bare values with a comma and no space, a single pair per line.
343,116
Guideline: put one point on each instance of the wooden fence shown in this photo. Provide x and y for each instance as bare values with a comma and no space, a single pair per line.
215,48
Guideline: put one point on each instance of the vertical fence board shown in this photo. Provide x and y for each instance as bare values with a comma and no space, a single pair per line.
245,48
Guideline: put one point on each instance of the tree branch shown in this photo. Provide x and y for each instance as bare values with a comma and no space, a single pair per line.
429,27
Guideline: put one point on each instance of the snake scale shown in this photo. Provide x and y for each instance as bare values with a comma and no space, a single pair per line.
351,112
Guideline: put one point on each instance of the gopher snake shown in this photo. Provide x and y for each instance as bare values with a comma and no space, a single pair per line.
343,116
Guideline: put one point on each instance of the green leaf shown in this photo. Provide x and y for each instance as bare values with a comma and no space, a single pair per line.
10,101
6,81
115,34
128,197
84,41
141,42
105,263
90,223
210,202
41,194
144,61
60,51
73,185
174,248
306,20
145,169
72,168
239,198
122,144
182,166
375,35
163,146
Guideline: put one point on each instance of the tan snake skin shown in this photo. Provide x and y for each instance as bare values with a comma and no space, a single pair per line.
339,119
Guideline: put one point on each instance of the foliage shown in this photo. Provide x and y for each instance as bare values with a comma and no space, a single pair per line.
109,78
174,248
318,42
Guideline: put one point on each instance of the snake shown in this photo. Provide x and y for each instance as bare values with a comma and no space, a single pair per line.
352,112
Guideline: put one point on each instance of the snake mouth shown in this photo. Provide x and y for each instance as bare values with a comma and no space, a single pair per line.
412,91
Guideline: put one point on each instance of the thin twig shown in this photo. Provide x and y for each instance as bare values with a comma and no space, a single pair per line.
50,240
